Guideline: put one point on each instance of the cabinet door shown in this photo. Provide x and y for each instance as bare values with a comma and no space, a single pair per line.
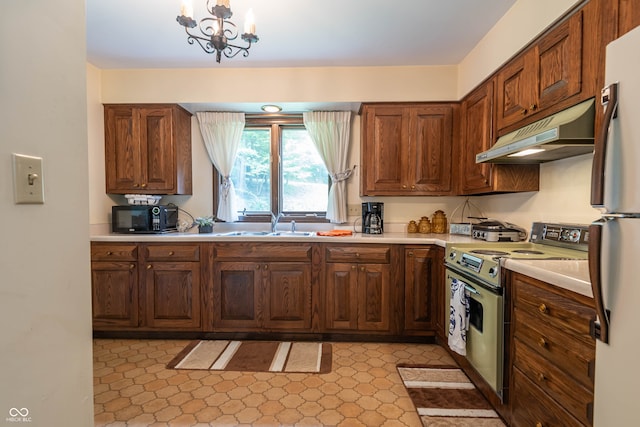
173,295
342,296
114,287
385,148
236,294
559,63
374,298
516,89
122,149
429,161
628,16
157,164
477,136
420,276
287,295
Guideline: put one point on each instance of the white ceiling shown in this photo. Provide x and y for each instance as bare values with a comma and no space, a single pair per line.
295,33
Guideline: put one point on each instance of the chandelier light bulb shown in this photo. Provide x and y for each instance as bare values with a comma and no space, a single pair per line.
250,23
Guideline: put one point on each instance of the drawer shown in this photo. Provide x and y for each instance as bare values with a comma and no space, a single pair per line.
532,407
554,382
172,252
263,251
557,310
112,252
358,254
573,356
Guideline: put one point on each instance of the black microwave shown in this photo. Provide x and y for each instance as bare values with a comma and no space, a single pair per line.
144,219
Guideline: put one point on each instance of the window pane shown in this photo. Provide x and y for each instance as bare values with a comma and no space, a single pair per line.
251,174
304,177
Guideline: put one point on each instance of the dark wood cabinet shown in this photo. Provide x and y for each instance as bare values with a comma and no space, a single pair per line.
421,275
542,76
172,286
477,136
628,16
269,291
114,286
358,293
407,149
147,149
553,355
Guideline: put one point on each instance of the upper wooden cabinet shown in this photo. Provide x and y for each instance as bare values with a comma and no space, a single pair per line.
147,149
547,73
628,16
477,136
407,149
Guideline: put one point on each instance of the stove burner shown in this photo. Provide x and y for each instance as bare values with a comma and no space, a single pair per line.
488,252
527,252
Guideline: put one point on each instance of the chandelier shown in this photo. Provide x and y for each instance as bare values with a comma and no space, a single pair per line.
217,32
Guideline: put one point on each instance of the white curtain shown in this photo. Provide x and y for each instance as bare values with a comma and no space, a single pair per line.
329,131
222,133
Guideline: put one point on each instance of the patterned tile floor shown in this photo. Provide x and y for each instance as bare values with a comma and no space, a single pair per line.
132,387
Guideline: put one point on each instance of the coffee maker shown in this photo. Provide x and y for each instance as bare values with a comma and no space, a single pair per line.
372,217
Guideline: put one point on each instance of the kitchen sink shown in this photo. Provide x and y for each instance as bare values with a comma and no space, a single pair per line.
266,234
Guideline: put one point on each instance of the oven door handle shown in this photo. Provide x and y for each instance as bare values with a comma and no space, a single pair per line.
471,289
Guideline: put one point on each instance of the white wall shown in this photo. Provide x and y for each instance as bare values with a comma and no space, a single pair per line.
45,291
525,20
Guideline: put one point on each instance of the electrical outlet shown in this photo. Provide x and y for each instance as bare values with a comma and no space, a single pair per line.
354,210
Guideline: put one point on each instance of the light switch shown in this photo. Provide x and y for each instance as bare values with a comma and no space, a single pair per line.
28,185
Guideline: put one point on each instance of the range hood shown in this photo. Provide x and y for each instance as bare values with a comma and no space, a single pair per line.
564,134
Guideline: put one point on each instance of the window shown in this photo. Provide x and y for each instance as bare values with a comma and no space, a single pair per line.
279,170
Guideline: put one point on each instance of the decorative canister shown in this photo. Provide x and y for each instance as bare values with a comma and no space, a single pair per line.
412,227
439,222
424,226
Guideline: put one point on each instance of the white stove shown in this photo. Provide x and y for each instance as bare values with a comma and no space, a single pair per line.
482,260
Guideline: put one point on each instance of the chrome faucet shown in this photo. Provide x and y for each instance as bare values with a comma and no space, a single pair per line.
274,221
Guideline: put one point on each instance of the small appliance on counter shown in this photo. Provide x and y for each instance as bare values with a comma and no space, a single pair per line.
493,230
144,219
372,217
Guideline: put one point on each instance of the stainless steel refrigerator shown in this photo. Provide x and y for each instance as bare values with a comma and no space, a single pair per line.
614,251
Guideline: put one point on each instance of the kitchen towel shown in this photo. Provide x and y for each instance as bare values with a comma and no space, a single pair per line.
459,317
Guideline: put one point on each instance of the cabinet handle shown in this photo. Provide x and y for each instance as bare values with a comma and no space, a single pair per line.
132,266
109,253
361,268
149,267
533,107
542,308
404,186
541,376
523,112
170,253
542,342
410,254
135,185
266,267
353,267
413,187
143,185
257,266
357,255
538,424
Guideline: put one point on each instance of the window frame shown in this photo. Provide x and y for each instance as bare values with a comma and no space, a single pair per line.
276,123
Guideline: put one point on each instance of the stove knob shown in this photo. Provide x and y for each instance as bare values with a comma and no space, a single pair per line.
452,255
493,271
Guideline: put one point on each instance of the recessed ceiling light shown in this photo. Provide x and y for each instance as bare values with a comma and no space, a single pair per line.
271,108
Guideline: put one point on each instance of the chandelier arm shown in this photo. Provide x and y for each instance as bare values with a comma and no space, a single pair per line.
204,42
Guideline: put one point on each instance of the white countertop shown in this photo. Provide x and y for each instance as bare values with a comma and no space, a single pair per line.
571,275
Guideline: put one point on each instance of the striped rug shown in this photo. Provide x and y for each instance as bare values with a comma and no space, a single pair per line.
444,396
255,356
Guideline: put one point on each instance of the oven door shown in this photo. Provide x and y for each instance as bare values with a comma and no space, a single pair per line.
485,338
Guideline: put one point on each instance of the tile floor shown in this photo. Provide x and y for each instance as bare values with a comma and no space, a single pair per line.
132,387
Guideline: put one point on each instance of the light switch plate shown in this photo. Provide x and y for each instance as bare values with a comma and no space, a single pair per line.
28,185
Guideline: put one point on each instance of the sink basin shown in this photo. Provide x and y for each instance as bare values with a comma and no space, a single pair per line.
293,233
244,233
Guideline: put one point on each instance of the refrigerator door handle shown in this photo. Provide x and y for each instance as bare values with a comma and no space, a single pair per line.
609,98
600,329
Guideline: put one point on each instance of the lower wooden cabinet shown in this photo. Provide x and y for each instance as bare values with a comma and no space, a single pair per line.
258,295
421,295
553,355
358,288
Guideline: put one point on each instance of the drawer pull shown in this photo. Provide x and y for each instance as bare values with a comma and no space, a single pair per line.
353,267
170,253
132,266
361,268
538,424
149,267
541,376
542,342
109,253
542,308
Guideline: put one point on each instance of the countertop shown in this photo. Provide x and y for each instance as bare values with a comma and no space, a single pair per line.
570,275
